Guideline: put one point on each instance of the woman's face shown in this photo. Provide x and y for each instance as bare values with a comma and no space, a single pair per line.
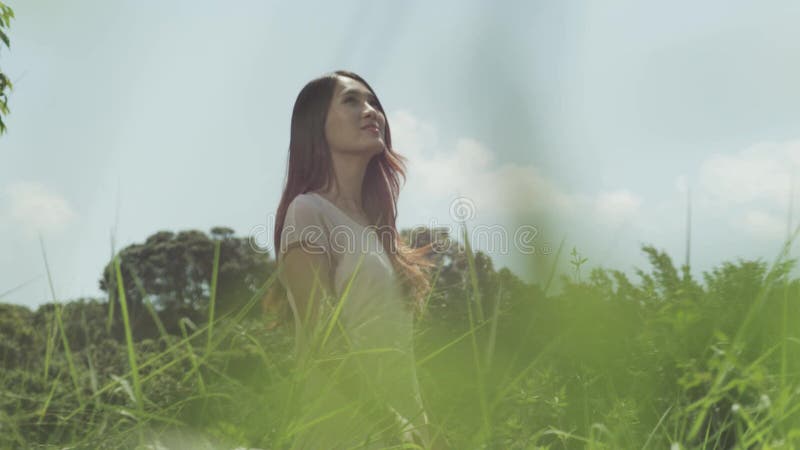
354,123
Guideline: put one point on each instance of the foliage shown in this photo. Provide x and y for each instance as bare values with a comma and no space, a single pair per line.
173,273
608,362
19,335
6,14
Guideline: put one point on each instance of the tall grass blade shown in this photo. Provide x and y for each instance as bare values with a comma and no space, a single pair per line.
60,323
123,305
110,296
213,295
479,371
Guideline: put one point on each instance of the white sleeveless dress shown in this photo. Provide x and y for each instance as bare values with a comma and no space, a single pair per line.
376,332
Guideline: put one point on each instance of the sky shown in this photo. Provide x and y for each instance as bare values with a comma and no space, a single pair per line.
583,121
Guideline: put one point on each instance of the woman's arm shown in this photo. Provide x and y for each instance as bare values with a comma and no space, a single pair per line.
306,274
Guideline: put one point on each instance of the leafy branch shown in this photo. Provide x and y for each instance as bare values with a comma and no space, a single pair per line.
6,14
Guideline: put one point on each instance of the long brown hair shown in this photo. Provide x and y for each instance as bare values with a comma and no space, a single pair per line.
310,169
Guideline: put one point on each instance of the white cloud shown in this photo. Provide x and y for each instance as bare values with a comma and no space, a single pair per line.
753,186
468,169
410,136
759,173
35,208
762,225
615,208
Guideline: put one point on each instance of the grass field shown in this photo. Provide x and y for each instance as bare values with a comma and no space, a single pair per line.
662,362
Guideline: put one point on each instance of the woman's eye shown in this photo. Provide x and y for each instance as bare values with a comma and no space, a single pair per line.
373,103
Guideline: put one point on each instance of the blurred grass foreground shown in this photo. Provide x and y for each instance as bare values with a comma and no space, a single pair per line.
181,355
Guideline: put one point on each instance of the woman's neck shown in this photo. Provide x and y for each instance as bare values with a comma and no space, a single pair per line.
345,190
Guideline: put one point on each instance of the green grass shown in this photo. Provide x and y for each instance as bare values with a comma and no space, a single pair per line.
607,363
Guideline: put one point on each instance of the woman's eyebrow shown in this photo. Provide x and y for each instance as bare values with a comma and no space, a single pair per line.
357,92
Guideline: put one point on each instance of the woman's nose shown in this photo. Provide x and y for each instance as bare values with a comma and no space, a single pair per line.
371,111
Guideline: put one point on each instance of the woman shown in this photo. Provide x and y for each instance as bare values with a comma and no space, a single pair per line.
352,283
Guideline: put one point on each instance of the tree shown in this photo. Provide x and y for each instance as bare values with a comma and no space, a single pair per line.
174,271
18,336
454,284
6,14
